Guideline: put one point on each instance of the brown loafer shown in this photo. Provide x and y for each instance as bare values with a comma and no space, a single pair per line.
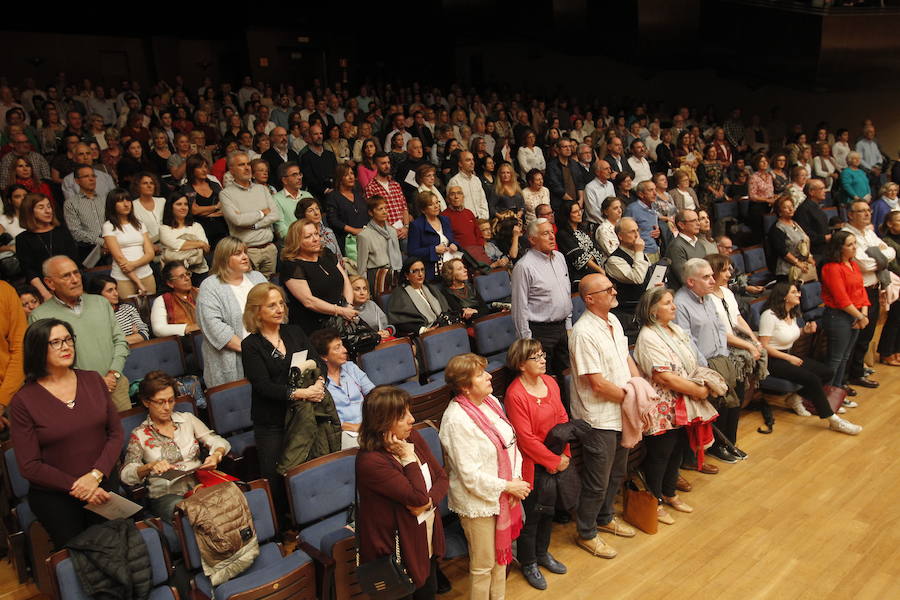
683,485
676,503
596,546
708,468
617,527
663,516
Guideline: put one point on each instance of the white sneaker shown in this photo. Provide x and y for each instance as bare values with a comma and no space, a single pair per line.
796,404
842,426
841,410
850,403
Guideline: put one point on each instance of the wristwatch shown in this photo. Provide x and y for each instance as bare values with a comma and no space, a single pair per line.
97,474
117,375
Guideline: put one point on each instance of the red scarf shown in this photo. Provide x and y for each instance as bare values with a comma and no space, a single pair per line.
509,521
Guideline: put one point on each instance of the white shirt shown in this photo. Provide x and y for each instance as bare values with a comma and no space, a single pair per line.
641,169
866,262
595,193
150,219
240,292
530,158
595,349
473,193
131,242
11,225
783,334
730,316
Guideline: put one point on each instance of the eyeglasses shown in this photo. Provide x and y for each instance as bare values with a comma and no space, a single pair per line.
161,403
538,357
610,288
58,344
182,276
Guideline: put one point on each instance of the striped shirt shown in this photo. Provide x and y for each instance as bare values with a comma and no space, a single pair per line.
129,319
85,217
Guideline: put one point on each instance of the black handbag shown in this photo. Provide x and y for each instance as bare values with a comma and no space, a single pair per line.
385,578
357,335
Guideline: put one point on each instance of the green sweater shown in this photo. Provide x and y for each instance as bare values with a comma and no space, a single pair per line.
100,344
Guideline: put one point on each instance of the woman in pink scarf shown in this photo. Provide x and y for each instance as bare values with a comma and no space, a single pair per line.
485,466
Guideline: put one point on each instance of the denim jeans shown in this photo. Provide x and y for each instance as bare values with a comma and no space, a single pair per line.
602,473
841,339
856,364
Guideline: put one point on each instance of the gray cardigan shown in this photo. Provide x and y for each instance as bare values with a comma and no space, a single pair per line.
219,317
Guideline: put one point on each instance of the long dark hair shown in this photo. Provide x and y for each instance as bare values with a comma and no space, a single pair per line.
112,198
775,301
8,209
168,217
37,340
834,247
384,406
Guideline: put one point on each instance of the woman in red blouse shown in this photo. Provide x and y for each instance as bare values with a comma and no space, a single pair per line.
847,305
534,407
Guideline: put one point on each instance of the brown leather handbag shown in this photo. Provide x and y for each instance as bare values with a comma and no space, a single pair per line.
640,506
835,397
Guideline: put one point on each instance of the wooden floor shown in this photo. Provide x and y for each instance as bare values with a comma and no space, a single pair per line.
810,514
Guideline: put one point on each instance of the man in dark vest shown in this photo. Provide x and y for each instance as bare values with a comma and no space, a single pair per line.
627,268
684,247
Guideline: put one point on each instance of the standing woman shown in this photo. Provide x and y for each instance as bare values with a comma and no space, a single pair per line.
534,407
791,245
711,174
182,239
266,357
346,207
889,343
855,181
668,356
220,311
761,191
508,194
43,237
148,206
66,432
399,483
779,327
485,464
846,302
430,235
425,177
318,285
606,237
534,195
129,244
365,170
311,209
377,245
780,178
203,196
576,244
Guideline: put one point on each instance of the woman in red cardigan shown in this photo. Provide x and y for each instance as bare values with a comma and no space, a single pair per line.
847,305
534,407
400,485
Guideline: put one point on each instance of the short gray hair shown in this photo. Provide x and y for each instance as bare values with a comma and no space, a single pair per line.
233,157
622,222
854,154
693,266
533,228
645,183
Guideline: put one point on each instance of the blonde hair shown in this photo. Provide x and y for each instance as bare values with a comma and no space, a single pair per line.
514,184
225,249
256,298
291,250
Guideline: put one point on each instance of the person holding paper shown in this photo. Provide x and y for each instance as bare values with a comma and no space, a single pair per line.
168,441
66,433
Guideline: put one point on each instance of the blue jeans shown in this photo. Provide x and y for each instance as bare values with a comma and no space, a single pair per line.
841,339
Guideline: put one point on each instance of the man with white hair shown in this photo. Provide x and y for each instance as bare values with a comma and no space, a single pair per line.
541,297
250,212
696,314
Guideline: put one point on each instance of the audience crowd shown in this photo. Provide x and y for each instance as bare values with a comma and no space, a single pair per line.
272,221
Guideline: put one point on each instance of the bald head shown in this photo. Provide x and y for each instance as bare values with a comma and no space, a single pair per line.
62,277
598,293
602,170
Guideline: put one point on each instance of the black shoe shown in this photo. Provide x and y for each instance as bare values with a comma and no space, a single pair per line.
739,454
552,565
534,576
562,517
850,391
443,584
864,382
722,453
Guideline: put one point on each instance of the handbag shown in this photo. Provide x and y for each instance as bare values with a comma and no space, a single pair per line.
385,578
835,395
641,506
448,317
358,337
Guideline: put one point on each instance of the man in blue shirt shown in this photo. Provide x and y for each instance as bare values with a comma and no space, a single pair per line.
648,221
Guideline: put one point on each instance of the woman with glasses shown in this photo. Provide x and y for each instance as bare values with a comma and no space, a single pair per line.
485,467
66,432
534,407
167,441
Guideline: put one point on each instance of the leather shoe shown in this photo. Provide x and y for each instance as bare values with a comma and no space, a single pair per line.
722,453
739,454
683,485
850,391
596,546
864,382
552,565
534,576
617,527
708,468
562,517
443,584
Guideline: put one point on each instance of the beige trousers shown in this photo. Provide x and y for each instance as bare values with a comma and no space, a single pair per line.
487,578
127,288
120,395
263,259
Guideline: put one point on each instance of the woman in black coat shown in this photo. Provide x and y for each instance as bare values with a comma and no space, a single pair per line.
414,306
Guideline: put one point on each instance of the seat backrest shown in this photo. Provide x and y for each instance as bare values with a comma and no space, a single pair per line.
197,346
754,259
441,344
737,261
383,300
831,212
130,419
18,485
756,309
390,362
810,295
494,286
768,221
229,406
428,430
494,333
577,307
162,354
726,209
320,488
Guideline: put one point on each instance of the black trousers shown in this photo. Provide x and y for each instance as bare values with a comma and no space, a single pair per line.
429,589
62,515
555,340
269,443
662,462
856,365
534,540
890,334
812,375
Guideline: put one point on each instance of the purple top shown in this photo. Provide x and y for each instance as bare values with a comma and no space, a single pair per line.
55,445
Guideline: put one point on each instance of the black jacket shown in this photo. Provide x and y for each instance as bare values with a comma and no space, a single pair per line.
274,159
560,487
554,181
112,561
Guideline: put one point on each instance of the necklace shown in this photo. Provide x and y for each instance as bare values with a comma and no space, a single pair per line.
70,404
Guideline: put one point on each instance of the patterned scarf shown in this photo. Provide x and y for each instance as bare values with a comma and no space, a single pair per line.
509,521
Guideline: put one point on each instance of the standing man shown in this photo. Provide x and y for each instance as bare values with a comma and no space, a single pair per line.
100,344
638,162
647,219
85,211
601,367
684,247
383,185
318,163
278,154
250,212
470,184
290,195
541,300
859,221
627,267
599,189
563,177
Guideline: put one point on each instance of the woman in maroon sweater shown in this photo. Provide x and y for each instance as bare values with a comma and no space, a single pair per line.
534,407
846,302
400,485
66,433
